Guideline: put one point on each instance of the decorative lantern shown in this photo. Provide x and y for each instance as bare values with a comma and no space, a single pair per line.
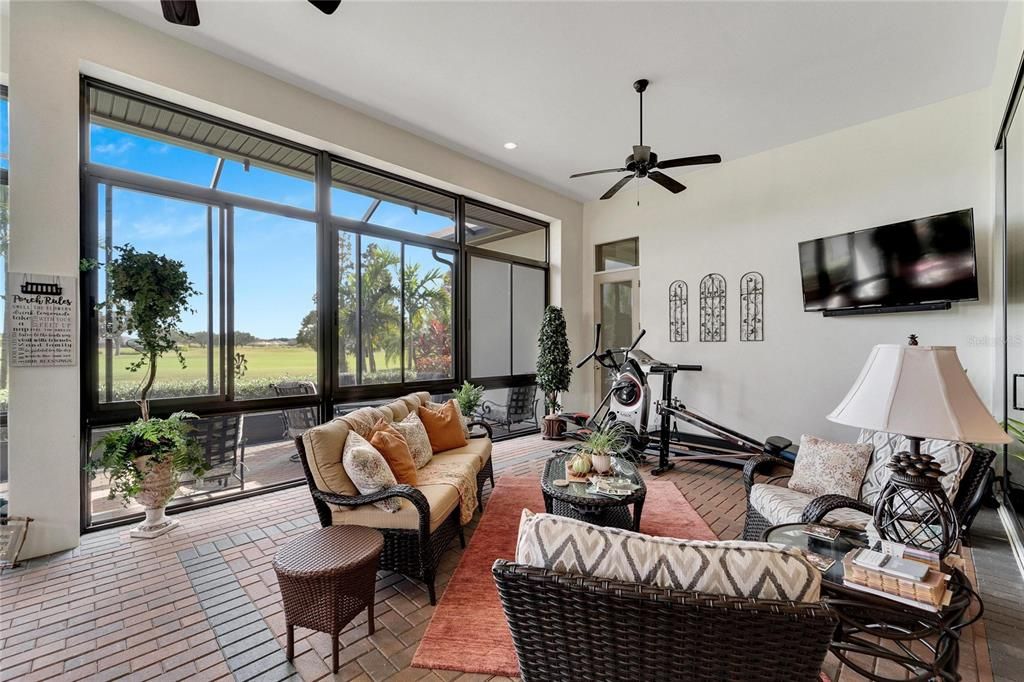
913,508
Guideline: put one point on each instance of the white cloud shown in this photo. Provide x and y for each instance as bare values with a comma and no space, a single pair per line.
115,148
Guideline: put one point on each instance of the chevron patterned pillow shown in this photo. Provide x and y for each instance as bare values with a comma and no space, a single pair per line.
732,568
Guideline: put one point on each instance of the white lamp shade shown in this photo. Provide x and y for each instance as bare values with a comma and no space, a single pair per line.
919,391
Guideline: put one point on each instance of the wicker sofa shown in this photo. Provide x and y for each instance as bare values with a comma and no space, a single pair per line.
770,503
417,535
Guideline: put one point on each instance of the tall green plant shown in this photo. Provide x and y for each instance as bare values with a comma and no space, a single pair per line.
554,371
150,293
469,397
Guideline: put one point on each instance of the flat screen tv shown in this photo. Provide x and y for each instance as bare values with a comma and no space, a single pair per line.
928,260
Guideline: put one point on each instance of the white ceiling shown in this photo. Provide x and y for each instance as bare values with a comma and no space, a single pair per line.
734,78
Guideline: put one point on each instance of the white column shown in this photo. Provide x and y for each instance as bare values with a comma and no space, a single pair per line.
44,408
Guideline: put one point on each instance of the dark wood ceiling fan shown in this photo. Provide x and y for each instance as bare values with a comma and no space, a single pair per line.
644,163
186,12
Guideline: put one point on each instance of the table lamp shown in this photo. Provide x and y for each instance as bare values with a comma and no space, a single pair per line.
918,392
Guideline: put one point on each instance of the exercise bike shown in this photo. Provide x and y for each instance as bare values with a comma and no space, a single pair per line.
625,407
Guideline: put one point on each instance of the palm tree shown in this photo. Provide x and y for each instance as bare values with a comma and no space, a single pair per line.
422,293
379,307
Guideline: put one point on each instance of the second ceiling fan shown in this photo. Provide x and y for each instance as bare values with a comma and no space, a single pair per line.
643,163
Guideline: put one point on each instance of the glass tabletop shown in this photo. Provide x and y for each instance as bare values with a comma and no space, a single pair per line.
793,535
621,469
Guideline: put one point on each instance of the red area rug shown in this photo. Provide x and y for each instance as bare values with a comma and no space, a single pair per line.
468,632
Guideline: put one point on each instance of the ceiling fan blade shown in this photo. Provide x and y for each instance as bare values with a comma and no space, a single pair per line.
606,170
665,181
616,187
181,12
690,161
326,6
641,153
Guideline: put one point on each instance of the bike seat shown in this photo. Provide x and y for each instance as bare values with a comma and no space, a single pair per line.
662,368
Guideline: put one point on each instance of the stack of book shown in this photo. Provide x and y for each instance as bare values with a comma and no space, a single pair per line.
903,574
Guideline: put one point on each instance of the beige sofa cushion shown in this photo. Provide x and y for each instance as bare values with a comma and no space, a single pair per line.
478,447
324,445
362,420
732,568
397,410
443,500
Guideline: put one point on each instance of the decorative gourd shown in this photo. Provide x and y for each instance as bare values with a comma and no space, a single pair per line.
580,463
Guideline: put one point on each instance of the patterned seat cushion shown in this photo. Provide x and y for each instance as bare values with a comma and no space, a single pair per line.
732,568
779,504
824,467
954,457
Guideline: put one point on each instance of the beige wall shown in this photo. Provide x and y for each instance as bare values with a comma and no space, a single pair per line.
750,213
50,45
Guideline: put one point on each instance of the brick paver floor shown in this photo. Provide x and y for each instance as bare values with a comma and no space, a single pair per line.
201,603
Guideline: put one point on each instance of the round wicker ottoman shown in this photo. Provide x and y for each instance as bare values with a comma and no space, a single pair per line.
326,578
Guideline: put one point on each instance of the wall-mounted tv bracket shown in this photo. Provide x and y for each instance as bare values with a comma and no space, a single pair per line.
882,310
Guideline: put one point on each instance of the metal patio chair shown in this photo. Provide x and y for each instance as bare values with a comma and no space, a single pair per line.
520,407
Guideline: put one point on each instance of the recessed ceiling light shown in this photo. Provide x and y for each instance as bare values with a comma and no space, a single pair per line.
510,145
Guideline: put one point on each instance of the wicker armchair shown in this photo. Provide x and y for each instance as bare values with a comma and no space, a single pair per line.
568,627
973,485
413,553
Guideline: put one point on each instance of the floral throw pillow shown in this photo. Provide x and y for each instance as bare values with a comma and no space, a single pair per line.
416,438
369,470
824,467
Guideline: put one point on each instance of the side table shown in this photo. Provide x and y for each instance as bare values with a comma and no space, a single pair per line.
864,617
327,577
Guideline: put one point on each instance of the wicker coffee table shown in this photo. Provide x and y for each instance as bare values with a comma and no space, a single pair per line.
574,501
326,578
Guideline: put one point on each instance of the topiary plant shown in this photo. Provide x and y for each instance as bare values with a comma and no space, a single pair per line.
148,294
554,371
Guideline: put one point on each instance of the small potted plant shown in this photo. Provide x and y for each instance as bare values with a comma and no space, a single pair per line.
554,371
148,294
468,396
601,444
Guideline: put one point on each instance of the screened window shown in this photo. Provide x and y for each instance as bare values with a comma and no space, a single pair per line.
135,134
275,322
378,200
512,235
189,232
617,255
507,302
395,311
316,292
4,242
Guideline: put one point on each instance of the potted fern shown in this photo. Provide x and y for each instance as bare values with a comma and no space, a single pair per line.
554,371
468,396
148,294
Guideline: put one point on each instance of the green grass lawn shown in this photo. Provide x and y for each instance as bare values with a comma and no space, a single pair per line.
262,362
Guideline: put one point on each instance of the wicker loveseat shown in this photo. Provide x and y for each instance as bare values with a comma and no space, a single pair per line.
416,536
968,475
590,603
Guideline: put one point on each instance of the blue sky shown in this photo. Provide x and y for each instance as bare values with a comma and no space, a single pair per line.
275,257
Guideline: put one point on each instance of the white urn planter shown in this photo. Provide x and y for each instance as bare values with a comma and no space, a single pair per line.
158,487
602,463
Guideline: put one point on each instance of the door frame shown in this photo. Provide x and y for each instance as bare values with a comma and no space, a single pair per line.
631,275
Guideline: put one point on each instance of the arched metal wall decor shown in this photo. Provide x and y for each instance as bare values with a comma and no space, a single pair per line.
678,312
712,308
752,307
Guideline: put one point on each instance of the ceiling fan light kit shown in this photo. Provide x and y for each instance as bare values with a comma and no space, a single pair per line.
644,163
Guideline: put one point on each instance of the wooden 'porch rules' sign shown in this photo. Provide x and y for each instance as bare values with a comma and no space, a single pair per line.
41,319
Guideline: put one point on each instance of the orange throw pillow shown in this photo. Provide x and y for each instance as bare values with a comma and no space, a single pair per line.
395,450
444,426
